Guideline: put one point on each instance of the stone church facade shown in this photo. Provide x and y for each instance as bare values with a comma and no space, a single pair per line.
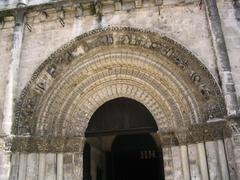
62,62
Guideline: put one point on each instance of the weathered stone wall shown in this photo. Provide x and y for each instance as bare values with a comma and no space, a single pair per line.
180,23
231,30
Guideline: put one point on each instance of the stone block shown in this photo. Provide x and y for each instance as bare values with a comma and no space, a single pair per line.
128,6
9,18
118,6
158,2
8,24
138,3
108,8
189,1
172,2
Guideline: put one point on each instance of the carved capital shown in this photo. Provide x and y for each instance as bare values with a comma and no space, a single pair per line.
48,144
5,144
197,133
234,125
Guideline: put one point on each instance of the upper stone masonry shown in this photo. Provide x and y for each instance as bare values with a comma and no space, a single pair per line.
12,4
105,4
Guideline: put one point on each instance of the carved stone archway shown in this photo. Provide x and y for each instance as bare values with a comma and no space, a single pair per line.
54,109
117,62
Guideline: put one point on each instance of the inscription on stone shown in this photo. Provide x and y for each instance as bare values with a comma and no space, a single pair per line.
43,83
188,66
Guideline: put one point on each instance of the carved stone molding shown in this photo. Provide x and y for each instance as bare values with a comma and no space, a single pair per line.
118,52
47,144
234,124
192,134
5,144
197,133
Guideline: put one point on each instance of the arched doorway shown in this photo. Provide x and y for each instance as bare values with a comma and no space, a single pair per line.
55,108
121,146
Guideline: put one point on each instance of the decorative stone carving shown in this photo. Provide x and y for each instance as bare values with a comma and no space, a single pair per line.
212,110
5,144
234,124
98,10
41,144
78,51
195,77
181,135
103,40
205,91
79,11
52,70
192,134
99,41
197,133
43,83
43,15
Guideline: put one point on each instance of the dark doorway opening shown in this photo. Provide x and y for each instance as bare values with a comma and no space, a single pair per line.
136,157
121,116
121,145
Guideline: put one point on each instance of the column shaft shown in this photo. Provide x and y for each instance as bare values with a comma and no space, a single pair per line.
222,57
203,161
12,78
185,164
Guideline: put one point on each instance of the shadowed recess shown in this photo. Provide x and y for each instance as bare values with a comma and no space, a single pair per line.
121,115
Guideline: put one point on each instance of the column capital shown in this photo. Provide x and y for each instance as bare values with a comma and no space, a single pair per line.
195,133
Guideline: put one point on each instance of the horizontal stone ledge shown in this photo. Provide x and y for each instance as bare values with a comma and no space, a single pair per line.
87,7
47,144
192,134
196,133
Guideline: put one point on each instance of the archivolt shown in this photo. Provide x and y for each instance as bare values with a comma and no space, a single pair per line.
117,62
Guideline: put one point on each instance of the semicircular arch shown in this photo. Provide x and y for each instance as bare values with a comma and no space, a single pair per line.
117,62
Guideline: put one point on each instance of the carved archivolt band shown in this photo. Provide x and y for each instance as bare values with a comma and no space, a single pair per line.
117,62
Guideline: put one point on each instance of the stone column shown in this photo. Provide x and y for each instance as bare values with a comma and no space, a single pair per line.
13,71
41,166
14,166
177,163
58,161
5,158
230,159
203,161
59,166
223,160
213,161
9,97
194,163
168,163
222,58
22,166
185,163
22,3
